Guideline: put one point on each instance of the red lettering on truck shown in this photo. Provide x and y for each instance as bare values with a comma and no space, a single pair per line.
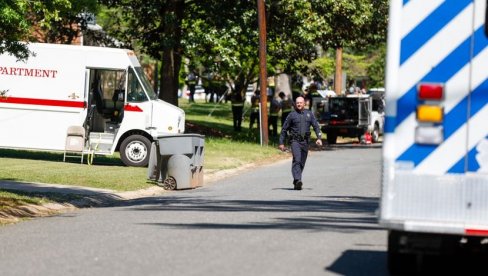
28,72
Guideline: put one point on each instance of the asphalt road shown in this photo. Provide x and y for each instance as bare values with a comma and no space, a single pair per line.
250,224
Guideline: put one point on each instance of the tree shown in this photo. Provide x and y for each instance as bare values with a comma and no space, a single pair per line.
71,21
376,70
156,28
357,24
16,21
223,37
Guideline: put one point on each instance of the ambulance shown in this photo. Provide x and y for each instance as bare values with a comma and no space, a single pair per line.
434,198
103,90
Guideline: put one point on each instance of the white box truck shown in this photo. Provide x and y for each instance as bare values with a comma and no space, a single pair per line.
434,198
102,89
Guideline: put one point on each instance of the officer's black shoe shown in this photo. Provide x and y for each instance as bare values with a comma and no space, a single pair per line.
298,185
295,184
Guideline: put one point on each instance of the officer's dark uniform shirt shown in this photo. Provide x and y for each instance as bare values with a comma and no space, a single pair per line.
298,124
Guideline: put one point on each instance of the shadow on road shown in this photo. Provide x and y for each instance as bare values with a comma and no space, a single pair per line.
360,262
342,214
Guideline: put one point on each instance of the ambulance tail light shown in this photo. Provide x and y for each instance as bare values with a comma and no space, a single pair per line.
430,114
429,135
430,91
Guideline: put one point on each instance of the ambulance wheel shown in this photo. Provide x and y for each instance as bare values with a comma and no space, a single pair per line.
331,138
375,136
134,151
399,263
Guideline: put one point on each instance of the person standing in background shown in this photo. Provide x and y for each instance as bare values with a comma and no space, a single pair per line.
274,111
254,116
237,102
191,81
286,106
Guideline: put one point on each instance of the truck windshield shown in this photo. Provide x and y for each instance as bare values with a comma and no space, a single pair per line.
343,108
146,84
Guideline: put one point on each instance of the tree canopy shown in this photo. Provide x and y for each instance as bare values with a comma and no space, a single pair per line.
16,19
219,36
57,21
223,37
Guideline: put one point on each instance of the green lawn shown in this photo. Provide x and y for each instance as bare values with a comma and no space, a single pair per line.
224,149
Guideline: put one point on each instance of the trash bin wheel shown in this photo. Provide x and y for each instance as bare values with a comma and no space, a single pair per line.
169,183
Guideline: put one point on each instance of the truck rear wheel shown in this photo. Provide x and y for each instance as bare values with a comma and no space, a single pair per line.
331,138
134,151
401,263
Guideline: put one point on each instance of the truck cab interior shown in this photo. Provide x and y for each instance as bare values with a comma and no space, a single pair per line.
106,99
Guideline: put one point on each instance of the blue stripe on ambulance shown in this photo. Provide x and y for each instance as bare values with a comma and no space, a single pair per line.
472,164
453,121
441,73
457,116
390,124
435,22
479,98
446,69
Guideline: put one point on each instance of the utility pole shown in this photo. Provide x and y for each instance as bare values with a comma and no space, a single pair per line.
263,79
338,73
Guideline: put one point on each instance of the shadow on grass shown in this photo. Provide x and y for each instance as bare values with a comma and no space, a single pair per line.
58,157
78,197
221,130
220,110
16,197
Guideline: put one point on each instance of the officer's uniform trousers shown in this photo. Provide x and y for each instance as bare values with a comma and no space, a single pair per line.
299,150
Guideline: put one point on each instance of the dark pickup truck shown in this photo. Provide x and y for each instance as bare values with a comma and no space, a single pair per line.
350,116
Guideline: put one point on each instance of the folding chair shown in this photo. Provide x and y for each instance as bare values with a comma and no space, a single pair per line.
75,143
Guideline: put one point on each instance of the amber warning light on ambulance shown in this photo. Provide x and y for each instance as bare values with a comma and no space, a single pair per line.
430,113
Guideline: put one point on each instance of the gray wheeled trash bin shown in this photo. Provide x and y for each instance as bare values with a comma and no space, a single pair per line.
176,161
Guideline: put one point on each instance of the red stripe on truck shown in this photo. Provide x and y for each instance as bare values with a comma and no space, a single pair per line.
134,108
45,102
476,232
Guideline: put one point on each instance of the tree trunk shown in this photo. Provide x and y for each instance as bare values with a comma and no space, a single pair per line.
338,72
171,54
169,77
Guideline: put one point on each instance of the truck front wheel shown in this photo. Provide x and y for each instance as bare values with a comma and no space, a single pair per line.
375,136
134,151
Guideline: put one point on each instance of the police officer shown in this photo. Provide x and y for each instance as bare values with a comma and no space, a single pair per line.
255,99
191,82
298,124
274,111
286,107
237,102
